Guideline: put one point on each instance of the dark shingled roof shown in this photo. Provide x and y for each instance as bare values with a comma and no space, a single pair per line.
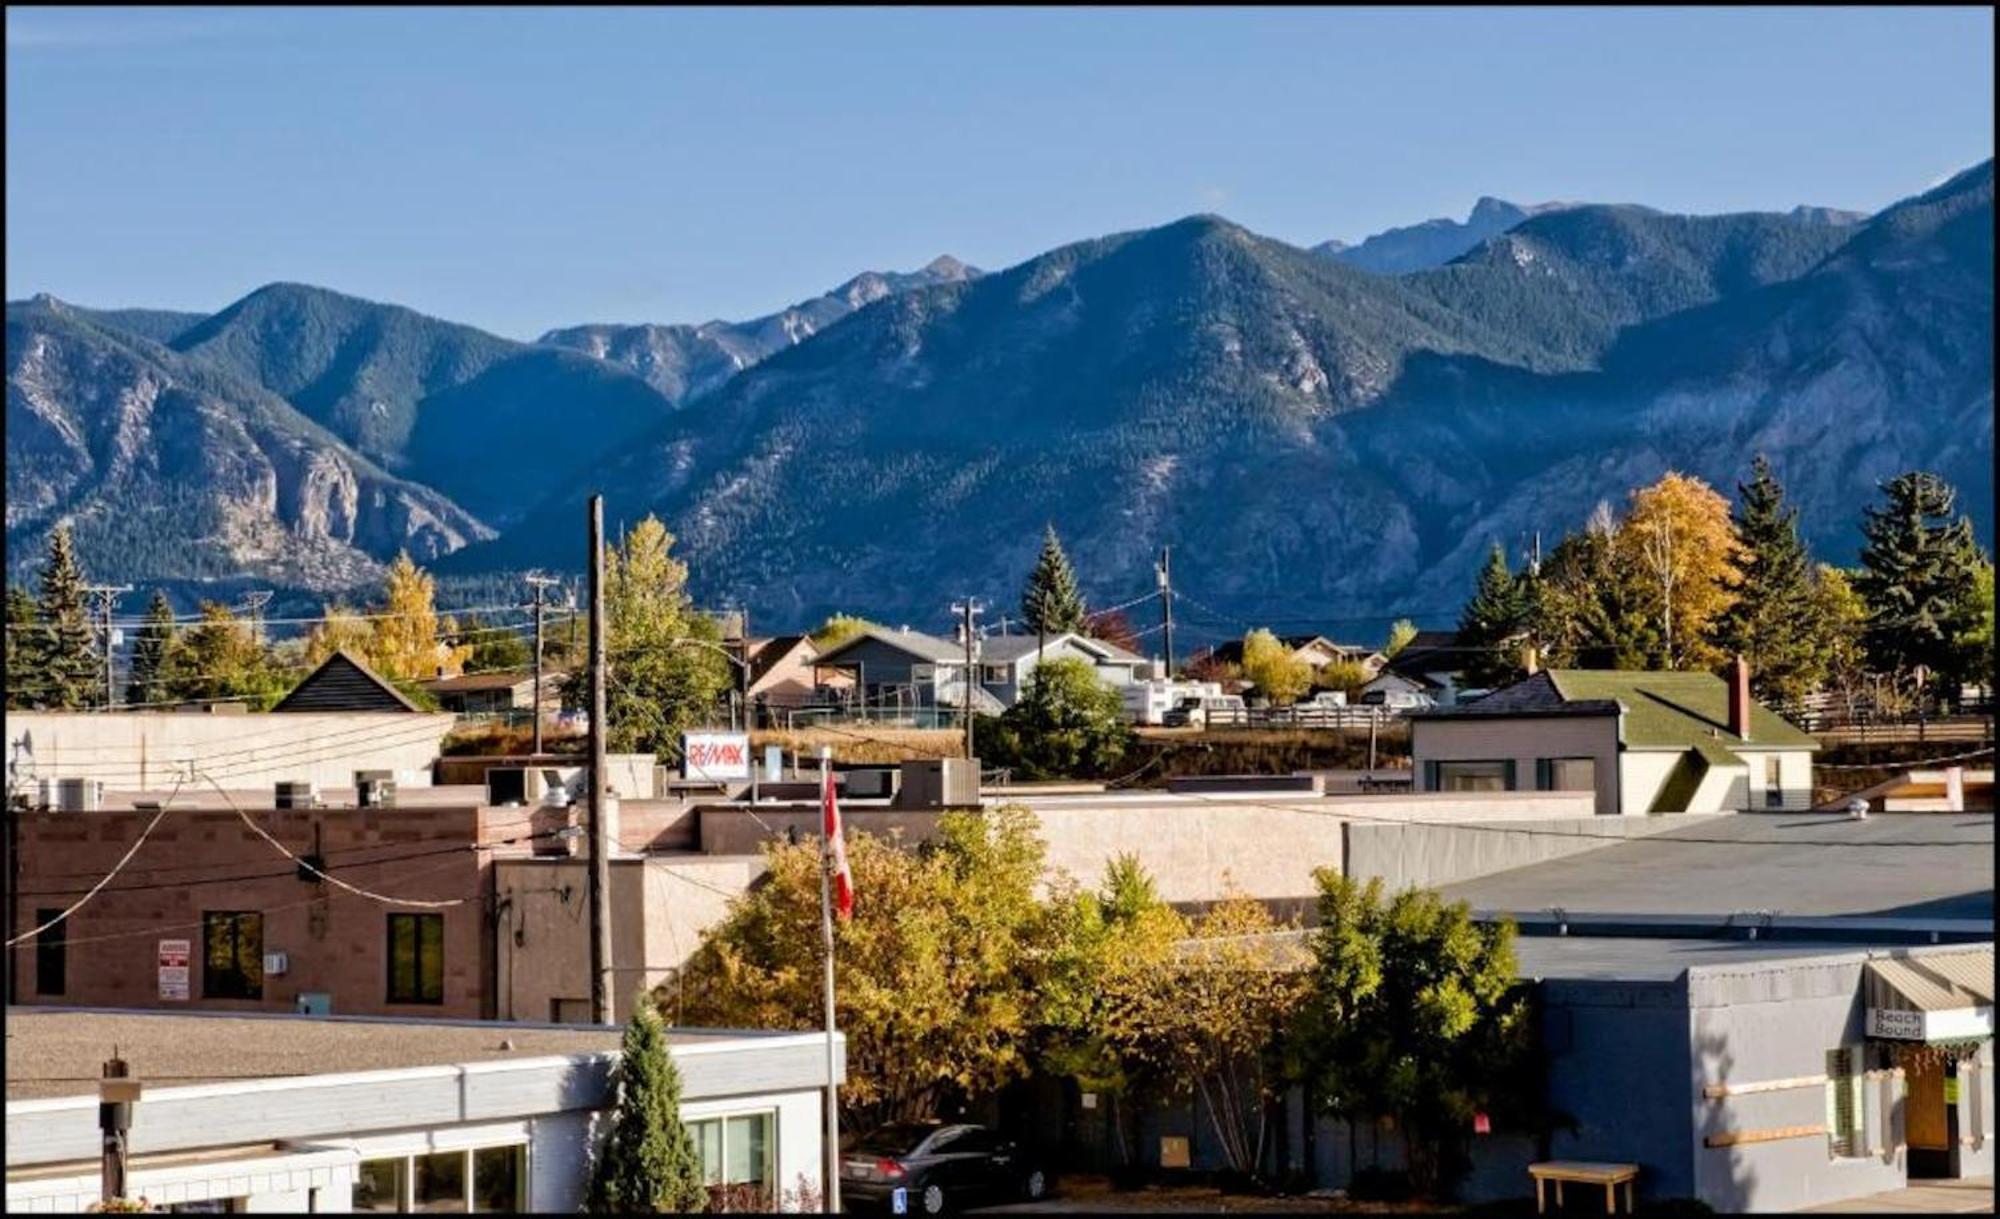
342,683
1536,695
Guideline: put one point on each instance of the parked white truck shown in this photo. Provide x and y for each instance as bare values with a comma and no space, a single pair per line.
1147,702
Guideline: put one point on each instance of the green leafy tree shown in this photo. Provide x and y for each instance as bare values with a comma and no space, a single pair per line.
492,649
1401,631
1594,605
149,653
1349,677
1494,625
938,967
1839,622
219,658
667,664
1052,603
1413,1014
1105,946
1279,676
1919,576
1066,724
1980,641
1765,625
839,628
65,668
647,1163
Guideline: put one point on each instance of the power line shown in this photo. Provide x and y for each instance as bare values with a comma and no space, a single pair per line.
116,868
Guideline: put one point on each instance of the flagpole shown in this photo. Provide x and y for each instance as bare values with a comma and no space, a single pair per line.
831,1192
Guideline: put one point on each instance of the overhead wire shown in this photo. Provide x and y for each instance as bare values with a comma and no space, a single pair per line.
116,868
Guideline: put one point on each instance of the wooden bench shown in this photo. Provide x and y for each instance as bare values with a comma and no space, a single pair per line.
1610,1176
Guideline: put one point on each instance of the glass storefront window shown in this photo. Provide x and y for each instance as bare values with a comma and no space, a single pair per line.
380,1185
498,1173
440,1182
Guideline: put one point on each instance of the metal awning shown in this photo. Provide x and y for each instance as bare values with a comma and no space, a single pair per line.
1933,997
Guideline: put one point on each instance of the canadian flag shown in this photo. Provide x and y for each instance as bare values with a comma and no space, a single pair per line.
843,880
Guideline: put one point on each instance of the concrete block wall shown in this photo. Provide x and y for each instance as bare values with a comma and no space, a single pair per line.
146,750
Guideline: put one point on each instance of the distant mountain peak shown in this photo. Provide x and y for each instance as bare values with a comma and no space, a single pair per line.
1433,243
948,269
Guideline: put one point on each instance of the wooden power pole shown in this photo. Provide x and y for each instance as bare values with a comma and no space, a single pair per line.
600,842
107,600
967,610
538,582
1165,571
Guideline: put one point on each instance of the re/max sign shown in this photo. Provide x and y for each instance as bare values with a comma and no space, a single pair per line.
715,755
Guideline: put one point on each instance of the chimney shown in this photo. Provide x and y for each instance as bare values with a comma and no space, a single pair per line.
1531,660
1739,697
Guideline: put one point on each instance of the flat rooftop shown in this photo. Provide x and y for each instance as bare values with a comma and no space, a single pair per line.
1609,959
1892,865
61,1051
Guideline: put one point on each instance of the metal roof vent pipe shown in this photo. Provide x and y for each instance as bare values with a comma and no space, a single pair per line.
1857,809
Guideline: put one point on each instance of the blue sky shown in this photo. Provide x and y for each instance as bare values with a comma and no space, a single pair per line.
526,168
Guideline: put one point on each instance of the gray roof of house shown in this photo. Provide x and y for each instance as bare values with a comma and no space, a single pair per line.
1000,649
1892,865
1533,696
1639,959
916,643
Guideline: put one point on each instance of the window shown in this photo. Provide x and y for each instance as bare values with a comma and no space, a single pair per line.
1566,774
51,955
736,1161
1845,1130
438,1184
1774,783
233,955
997,675
380,1185
1473,776
486,1180
416,958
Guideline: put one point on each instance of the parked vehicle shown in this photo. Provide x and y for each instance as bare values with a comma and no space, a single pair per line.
1213,708
1326,698
936,1167
1399,700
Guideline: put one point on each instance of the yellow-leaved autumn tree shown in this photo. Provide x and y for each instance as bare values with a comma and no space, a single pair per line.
1280,676
1679,537
404,640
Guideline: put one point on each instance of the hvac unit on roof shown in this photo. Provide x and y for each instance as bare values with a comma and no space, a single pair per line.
296,793
72,795
375,789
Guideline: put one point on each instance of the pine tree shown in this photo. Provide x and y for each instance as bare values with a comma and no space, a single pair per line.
65,670
1492,623
1052,604
1919,577
23,625
647,1162
149,653
1770,624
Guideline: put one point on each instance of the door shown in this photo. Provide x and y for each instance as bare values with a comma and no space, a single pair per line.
1924,1122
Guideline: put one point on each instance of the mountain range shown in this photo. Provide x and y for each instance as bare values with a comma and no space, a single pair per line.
1323,435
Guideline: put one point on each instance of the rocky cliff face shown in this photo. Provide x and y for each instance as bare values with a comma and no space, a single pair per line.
168,468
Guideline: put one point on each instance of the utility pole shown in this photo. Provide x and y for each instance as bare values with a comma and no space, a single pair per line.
1165,571
967,610
107,600
116,1092
829,826
538,582
600,843
253,604
743,669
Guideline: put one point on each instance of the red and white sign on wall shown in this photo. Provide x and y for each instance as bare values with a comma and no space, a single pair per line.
715,755
174,956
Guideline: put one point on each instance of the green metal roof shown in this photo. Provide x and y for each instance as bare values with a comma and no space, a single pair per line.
1680,711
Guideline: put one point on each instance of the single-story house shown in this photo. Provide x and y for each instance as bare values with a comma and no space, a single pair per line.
923,673
342,1114
476,693
1433,660
1317,651
783,671
1403,690
1645,742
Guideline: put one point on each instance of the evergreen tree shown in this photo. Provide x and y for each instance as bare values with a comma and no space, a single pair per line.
1052,604
1919,577
65,670
1770,624
219,658
1492,623
149,653
23,625
647,1162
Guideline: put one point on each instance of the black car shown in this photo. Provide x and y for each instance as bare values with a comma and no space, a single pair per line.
938,1167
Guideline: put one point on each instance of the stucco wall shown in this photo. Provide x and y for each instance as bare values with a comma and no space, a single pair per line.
1773,1022
1794,779
1524,741
1642,775
1618,1064
1429,855
146,750
1722,789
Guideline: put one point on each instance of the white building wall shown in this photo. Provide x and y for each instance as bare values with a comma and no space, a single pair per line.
145,750
1641,775
1723,789
1794,779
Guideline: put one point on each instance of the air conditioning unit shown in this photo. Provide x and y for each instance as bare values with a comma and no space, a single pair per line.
375,788
871,783
531,785
296,794
939,783
72,795
275,964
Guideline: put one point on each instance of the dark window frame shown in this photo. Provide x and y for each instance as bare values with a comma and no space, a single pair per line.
413,992
215,983
1508,777
1545,772
51,955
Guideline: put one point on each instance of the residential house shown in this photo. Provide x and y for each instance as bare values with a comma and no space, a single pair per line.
338,1115
1317,651
925,675
1644,742
784,672
496,693
1433,663
344,683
